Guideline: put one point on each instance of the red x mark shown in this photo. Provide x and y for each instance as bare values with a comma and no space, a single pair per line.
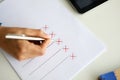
45,27
65,48
52,35
59,41
72,56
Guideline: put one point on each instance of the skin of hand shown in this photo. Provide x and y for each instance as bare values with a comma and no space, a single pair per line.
23,49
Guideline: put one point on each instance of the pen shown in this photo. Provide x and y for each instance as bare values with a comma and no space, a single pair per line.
22,36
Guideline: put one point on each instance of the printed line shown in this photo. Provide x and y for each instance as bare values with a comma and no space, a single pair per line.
27,62
45,62
54,68
51,44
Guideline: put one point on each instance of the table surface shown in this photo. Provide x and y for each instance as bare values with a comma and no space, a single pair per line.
104,22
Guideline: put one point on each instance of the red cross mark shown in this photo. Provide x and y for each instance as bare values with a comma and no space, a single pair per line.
52,35
65,48
59,41
45,27
72,56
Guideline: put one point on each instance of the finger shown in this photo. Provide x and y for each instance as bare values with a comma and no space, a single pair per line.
45,43
36,32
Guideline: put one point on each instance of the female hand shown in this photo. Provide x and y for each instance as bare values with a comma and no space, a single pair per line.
23,49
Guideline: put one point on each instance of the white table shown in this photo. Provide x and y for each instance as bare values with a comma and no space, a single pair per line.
104,22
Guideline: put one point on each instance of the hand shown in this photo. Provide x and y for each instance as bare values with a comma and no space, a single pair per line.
23,49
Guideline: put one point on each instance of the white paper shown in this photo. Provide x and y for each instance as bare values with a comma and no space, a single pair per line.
58,63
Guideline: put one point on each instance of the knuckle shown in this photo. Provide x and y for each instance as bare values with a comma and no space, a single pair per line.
20,57
26,30
40,31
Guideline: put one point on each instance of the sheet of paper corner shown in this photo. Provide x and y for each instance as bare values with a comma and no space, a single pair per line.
64,68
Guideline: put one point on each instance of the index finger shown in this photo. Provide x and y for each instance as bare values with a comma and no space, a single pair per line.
45,43
36,33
